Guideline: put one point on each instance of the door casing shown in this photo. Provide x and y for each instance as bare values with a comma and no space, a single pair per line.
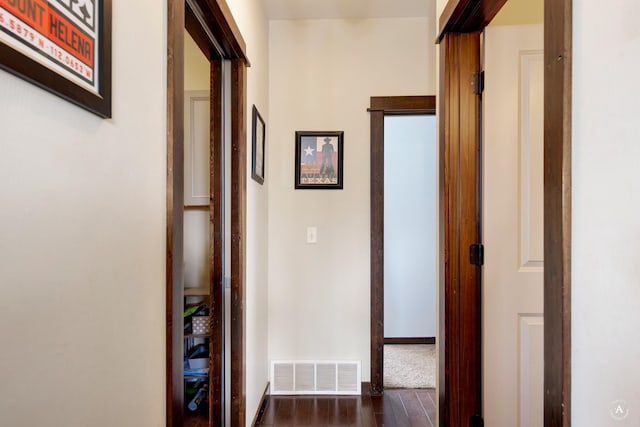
379,107
460,387
466,16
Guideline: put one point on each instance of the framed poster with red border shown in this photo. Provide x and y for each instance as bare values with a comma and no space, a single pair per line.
63,46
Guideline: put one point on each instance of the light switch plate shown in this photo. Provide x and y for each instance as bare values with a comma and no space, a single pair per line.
312,234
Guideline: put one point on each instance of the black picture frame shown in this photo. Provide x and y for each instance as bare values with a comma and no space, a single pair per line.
73,62
319,160
258,138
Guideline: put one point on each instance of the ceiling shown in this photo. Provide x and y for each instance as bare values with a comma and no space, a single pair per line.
332,9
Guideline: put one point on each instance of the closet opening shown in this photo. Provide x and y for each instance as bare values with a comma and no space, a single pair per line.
206,192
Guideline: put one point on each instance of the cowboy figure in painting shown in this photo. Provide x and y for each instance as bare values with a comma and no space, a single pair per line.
318,159
327,158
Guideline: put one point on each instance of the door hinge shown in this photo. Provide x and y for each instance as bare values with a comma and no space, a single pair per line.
476,254
477,81
476,421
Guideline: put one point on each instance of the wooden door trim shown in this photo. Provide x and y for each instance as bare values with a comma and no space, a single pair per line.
460,388
377,245
379,107
557,212
216,248
220,23
175,217
238,241
222,26
403,104
465,16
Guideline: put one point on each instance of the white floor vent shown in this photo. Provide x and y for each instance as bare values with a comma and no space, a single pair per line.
315,377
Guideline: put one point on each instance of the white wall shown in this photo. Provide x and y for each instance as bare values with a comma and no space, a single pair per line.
409,226
321,76
196,66
82,252
440,4
250,17
606,204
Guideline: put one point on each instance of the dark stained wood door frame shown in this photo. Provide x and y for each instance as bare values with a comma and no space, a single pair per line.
238,242
460,302
381,107
212,26
467,16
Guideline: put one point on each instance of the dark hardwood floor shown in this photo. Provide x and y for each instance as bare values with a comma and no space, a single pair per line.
397,408
195,420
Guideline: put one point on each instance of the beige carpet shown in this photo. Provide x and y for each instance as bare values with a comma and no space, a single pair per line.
409,366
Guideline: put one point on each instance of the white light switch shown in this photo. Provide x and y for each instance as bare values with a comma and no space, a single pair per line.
312,234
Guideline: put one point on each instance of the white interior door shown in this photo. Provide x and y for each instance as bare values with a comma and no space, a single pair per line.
513,227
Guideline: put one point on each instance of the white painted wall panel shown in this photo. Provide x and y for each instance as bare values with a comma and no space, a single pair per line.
605,339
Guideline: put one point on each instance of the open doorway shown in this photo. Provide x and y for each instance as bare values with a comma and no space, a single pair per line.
216,36
199,223
409,251
388,325
460,37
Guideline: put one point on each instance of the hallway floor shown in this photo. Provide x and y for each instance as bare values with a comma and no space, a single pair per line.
191,420
398,407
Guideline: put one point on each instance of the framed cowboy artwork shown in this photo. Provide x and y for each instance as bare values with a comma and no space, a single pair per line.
319,160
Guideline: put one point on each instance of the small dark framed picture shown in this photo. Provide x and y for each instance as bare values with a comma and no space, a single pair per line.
319,161
257,162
